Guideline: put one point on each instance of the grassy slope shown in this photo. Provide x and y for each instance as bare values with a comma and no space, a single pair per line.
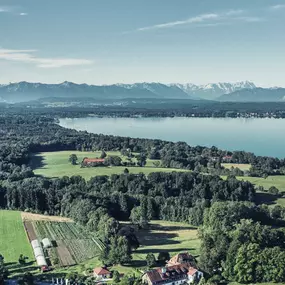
13,239
56,164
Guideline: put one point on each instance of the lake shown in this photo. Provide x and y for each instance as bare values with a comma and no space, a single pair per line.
261,136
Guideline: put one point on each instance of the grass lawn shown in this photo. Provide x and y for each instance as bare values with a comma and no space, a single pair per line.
167,236
13,239
278,181
237,165
56,164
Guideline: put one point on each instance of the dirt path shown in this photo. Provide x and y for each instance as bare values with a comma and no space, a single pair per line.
30,230
37,217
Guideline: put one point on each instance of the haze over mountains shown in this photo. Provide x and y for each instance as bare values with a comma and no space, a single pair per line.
236,92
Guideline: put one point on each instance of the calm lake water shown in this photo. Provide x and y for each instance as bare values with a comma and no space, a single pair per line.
261,136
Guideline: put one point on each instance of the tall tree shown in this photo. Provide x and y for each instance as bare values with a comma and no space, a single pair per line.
150,260
73,159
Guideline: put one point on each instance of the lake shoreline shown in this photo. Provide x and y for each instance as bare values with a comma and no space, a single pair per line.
262,136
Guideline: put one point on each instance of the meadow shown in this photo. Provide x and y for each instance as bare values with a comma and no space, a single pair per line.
241,166
56,164
13,238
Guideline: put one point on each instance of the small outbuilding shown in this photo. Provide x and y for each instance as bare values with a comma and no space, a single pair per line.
101,273
46,243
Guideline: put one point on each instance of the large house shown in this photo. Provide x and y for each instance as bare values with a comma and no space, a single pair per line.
180,269
172,275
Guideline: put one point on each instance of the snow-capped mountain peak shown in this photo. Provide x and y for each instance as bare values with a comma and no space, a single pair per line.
214,90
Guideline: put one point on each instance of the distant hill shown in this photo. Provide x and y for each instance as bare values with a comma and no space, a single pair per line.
25,91
255,95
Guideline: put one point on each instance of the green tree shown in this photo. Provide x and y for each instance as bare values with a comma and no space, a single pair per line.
163,256
103,154
73,159
126,171
116,276
22,259
246,263
138,217
273,190
119,252
150,260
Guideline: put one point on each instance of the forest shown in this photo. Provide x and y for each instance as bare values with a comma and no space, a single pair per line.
235,231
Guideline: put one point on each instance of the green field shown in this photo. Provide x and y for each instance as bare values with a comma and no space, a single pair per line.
278,181
56,164
13,238
167,236
241,166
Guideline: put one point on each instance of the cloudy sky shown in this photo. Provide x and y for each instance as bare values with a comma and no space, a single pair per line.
111,41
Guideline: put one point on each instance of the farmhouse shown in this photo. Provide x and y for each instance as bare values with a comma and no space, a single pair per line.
172,275
101,273
93,161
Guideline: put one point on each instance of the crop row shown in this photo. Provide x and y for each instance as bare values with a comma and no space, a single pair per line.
73,242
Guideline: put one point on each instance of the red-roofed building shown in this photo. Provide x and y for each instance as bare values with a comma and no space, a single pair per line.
93,161
172,275
101,273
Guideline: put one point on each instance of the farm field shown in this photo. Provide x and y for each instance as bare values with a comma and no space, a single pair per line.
56,164
13,237
71,244
238,165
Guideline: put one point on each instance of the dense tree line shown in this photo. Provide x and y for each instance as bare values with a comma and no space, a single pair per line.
241,242
173,196
156,108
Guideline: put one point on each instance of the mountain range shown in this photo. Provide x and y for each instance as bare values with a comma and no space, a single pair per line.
236,92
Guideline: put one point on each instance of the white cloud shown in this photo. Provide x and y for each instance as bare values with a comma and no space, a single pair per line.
278,7
27,56
23,14
198,19
207,20
5,9
234,12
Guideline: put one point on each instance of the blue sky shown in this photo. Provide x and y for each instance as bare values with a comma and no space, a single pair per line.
112,41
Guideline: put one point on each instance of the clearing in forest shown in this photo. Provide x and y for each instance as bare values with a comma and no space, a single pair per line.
13,238
56,164
166,236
